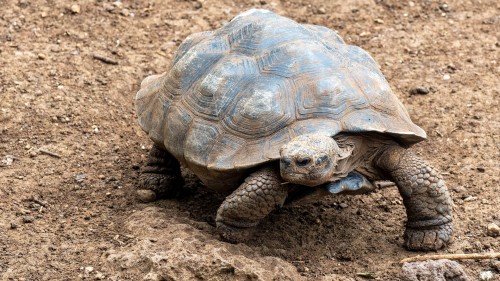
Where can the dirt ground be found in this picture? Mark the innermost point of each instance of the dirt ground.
(71, 215)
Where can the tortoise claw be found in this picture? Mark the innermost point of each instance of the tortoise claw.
(154, 186)
(145, 195)
(233, 234)
(430, 239)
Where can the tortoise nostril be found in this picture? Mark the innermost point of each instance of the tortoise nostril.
(303, 161)
(321, 159)
(286, 161)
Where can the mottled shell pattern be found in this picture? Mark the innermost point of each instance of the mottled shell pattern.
(233, 96)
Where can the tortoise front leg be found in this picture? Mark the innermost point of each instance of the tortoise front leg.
(161, 177)
(254, 199)
(425, 196)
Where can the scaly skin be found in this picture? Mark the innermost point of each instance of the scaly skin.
(425, 196)
(254, 199)
(161, 176)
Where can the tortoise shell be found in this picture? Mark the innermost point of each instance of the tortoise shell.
(232, 97)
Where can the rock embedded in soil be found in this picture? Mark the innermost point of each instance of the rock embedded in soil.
(434, 270)
(182, 252)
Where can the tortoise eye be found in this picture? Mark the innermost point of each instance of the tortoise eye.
(303, 161)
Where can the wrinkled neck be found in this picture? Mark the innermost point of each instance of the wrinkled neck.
(365, 148)
(357, 151)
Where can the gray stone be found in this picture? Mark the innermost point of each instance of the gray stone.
(485, 275)
(434, 270)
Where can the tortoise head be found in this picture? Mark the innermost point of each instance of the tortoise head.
(310, 159)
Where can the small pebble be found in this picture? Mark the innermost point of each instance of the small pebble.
(493, 230)
(28, 219)
(168, 46)
(75, 9)
(89, 269)
(125, 12)
(485, 275)
(420, 90)
(99, 275)
(321, 11)
(197, 5)
(108, 7)
(302, 269)
(470, 199)
(446, 77)
(13, 225)
(343, 205)
(8, 160)
(80, 178)
(41, 56)
(445, 8)
(481, 169)
(459, 189)
(495, 265)
(23, 3)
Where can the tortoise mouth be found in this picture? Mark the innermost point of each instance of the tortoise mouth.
(307, 178)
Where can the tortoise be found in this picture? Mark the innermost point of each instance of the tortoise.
(264, 107)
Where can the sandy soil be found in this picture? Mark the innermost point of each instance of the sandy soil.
(70, 215)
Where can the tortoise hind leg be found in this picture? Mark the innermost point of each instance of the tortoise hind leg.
(161, 177)
(425, 196)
